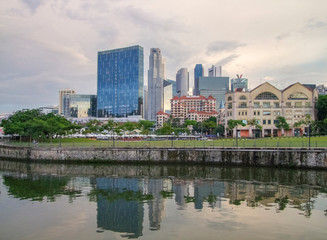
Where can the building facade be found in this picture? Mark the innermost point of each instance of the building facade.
(168, 94)
(64, 101)
(83, 105)
(239, 83)
(120, 82)
(181, 107)
(212, 72)
(198, 72)
(214, 86)
(80, 105)
(156, 76)
(182, 82)
(265, 103)
(162, 117)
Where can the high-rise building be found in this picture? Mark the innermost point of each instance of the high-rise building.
(79, 105)
(198, 72)
(239, 83)
(322, 89)
(120, 82)
(83, 105)
(168, 94)
(214, 86)
(64, 101)
(182, 82)
(212, 72)
(156, 74)
(173, 82)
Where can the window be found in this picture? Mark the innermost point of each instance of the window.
(298, 96)
(243, 105)
(276, 104)
(242, 97)
(256, 104)
(229, 106)
(258, 113)
(269, 121)
(254, 113)
(266, 113)
(264, 122)
(266, 105)
(229, 98)
(266, 96)
(288, 104)
(298, 104)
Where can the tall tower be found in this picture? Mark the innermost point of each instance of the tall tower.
(198, 72)
(120, 82)
(182, 82)
(64, 101)
(212, 72)
(156, 75)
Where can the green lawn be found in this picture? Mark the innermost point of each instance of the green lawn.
(297, 142)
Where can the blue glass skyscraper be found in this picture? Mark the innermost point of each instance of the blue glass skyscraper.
(120, 82)
(198, 72)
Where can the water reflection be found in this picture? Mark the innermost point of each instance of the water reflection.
(125, 194)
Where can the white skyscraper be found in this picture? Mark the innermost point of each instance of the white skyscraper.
(156, 75)
(212, 72)
(182, 82)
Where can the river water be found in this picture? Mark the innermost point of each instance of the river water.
(92, 201)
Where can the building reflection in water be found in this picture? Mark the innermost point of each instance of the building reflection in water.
(117, 210)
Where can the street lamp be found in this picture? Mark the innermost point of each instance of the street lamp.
(309, 134)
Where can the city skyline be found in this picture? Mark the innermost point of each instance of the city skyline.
(52, 45)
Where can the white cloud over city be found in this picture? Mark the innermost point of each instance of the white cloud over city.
(48, 45)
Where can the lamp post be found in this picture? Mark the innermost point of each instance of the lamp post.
(309, 135)
(172, 139)
(236, 137)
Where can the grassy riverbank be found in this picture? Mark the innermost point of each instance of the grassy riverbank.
(289, 142)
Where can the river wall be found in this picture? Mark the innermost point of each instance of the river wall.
(286, 157)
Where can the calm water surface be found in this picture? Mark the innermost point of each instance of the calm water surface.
(67, 201)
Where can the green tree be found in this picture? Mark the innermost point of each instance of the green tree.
(322, 107)
(93, 126)
(20, 123)
(282, 124)
(166, 129)
(253, 123)
(232, 124)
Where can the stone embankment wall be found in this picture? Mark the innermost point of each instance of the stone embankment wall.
(307, 158)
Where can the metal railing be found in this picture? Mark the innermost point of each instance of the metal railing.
(301, 142)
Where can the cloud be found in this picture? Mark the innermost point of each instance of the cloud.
(32, 4)
(223, 46)
(227, 60)
(50, 45)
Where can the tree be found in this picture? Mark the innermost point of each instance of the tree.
(20, 123)
(34, 124)
(231, 124)
(166, 129)
(254, 123)
(93, 126)
(281, 124)
(322, 107)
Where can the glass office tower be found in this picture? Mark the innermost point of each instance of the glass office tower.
(198, 72)
(120, 82)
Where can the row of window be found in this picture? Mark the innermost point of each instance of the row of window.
(271, 96)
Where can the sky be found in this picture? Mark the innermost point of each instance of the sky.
(49, 45)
